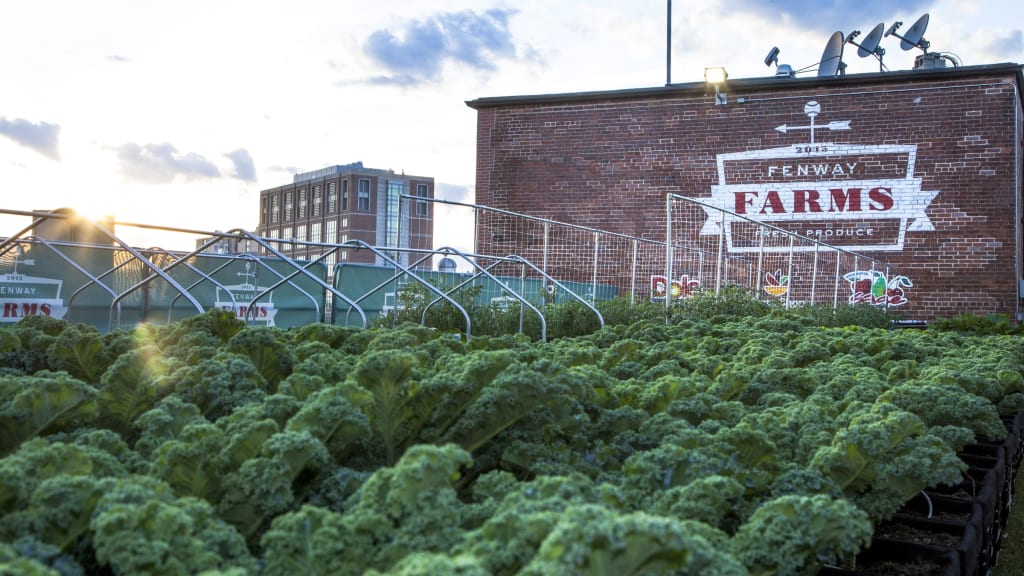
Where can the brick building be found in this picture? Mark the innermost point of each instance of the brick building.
(920, 168)
(73, 228)
(341, 203)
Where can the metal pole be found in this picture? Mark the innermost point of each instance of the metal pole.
(872, 301)
(522, 290)
(856, 267)
(887, 277)
(668, 46)
(547, 239)
(721, 243)
(789, 271)
(632, 276)
(668, 250)
(760, 262)
(597, 253)
(835, 294)
(476, 230)
(814, 273)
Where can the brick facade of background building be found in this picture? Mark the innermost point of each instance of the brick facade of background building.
(608, 159)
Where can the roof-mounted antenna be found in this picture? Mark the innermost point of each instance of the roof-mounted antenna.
(832, 58)
(870, 44)
(781, 70)
(914, 38)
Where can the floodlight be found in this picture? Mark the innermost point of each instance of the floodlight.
(716, 76)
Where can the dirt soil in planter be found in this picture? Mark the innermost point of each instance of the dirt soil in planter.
(908, 533)
(921, 568)
(937, 514)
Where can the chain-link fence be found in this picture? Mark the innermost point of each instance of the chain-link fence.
(713, 247)
(606, 264)
(514, 259)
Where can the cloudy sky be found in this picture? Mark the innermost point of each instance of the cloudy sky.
(179, 113)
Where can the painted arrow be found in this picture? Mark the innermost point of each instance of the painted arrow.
(834, 125)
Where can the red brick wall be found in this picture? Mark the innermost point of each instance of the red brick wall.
(608, 162)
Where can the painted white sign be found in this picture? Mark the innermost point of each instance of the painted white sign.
(822, 190)
(22, 295)
(239, 299)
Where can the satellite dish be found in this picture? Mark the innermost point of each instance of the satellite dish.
(781, 70)
(832, 58)
(870, 44)
(914, 37)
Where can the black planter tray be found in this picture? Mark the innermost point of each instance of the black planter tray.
(978, 512)
(934, 506)
(997, 464)
(977, 484)
(963, 537)
(892, 558)
(1002, 453)
(1015, 438)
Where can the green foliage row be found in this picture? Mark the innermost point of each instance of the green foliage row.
(726, 437)
(573, 318)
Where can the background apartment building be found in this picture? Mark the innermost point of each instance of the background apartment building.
(338, 204)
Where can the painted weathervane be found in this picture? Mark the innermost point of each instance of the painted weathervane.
(812, 109)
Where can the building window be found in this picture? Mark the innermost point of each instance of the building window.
(317, 201)
(422, 191)
(391, 216)
(288, 206)
(344, 195)
(302, 205)
(330, 235)
(332, 197)
(264, 210)
(332, 231)
(286, 234)
(364, 195)
(275, 208)
(300, 233)
(344, 222)
(275, 245)
(314, 232)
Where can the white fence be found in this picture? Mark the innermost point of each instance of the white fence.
(712, 247)
(706, 248)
